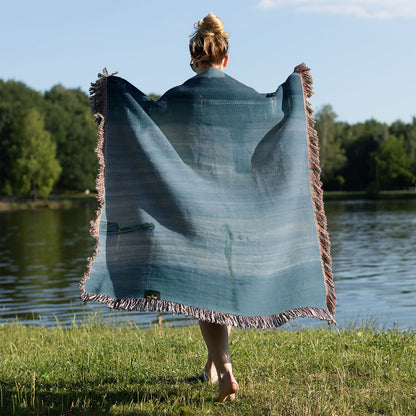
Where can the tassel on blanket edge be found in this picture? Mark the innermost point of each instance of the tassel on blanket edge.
(241, 321)
(316, 189)
(97, 101)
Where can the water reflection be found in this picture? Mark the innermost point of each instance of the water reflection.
(43, 257)
(374, 252)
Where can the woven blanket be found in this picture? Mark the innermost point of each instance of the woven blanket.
(210, 202)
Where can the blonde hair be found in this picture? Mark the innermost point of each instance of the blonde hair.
(209, 42)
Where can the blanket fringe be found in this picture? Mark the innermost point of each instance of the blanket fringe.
(258, 322)
(98, 102)
(316, 188)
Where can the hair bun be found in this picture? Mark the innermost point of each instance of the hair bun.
(210, 25)
(209, 42)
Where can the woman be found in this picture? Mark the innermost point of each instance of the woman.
(209, 48)
(211, 203)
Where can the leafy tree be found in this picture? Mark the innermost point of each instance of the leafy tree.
(361, 143)
(18, 93)
(340, 180)
(7, 125)
(408, 133)
(15, 99)
(34, 167)
(72, 126)
(394, 164)
(153, 96)
(332, 154)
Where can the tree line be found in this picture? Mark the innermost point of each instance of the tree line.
(47, 143)
(368, 156)
(47, 140)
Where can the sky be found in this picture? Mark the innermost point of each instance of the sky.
(361, 53)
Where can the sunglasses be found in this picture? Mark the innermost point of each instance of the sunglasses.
(191, 64)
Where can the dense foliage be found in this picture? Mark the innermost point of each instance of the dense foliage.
(47, 142)
(367, 156)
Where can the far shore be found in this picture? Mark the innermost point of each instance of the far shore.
(55, 201)
(67, 201)
(343, 195)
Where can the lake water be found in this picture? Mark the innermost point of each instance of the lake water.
(43, 257)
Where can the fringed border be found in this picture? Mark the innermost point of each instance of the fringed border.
(258, 322)
(316, 188)
(98, 105)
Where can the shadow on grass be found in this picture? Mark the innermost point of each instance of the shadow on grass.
(99, 397)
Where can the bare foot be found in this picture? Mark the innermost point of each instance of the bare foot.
(209, 374)
(228, 388)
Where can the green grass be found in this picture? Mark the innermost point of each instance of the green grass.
(108, 369)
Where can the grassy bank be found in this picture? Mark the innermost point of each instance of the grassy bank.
(101, 369)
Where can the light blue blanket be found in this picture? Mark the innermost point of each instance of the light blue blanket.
(211, 204)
